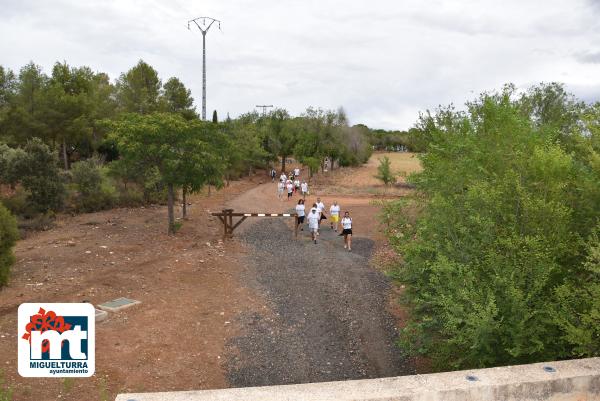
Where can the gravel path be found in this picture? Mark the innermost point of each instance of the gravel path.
(328, 318)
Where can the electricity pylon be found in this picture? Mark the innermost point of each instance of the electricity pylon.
(204, 24)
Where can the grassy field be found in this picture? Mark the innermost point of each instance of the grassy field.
(362, 181)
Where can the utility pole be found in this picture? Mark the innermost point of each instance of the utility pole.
(204, 24)
(264, 107)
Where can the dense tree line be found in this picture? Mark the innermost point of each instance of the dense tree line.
(501, 245)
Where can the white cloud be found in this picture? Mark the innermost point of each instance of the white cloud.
(382, 60)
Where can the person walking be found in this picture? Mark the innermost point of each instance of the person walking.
(304, 189)
(347, 231)
(290, 189)
(297, 172)
(283, 177)
(300, 213)
(280, 188)
(321, 211)
(296, 185)
(313, 222)
(334, 211)
(273, 174)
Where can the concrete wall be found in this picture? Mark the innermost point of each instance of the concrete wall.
(567, 380)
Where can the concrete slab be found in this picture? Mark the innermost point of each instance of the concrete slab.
(575, 380)
(101, 315)
(118, 304)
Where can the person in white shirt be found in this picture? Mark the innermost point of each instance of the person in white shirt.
(300, 212)
(283, 177)
(347, 231)
(320, 209)
(313, 222)
(297, 172)
(290, 189)
(296, 185)
(304, 188)
(334, 211)
(280, 188)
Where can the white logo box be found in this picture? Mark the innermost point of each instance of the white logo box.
(77, 363)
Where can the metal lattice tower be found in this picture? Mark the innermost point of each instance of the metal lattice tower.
(204, 24)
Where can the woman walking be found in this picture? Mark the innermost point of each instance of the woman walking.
(347, 231)
(313, 222)
(334, 211)
(300, 213)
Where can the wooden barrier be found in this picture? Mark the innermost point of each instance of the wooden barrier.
(226, 216)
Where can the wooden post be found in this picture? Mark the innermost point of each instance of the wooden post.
(225, 221)
(229, 219)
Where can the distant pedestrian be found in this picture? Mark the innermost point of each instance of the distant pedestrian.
(334, 211)
(297, 171)
(347, 231)
(290, 189)
(300, 212)
(273, 174)
(283, 177)
(304, 188)
(296, 185)
(313, 223)
(280, 188)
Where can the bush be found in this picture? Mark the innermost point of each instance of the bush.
(40, 176)
(496, 265)
(384, 171)
(94, 190)
(8, 238)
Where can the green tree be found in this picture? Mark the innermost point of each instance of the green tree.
(39, 175)
(138, 89)
(215, 118)
(8, 237)
(384, 171)
(497, 249)
(176, 98)
(281, 134)
(171, 145)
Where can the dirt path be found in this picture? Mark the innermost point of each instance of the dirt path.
(326, 315)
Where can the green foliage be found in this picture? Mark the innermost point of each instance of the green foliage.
(94, 190)
(138, 90)
(495, 264)
(176, 98)
(182, 153)
(215, 118)
(384, 171)
(8, 238)
(39, 175)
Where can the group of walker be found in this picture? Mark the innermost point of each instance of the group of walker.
(316, 215)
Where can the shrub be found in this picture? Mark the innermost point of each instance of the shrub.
(8, 238)
(94, 190)
(40, 176)
(384, 171)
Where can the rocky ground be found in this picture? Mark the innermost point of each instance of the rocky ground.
(327, 316)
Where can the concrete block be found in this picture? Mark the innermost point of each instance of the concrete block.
(118, 304)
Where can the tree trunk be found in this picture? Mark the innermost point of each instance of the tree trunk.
(208, 189)
(283, 163)
(184, 209)
(64, 154)
(170, 201)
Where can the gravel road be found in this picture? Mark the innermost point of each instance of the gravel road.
(328, 318)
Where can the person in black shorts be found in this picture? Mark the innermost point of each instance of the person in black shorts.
(300, 212)
(347, 231)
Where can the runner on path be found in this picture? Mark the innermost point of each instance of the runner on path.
(280, 188)
(304, 188)
(313, 222)
(334, 211)
(321, 209)
(290, 189)
(300, 212)
(347, 231)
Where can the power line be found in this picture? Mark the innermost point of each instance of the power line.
(264, 107)
(203, 26)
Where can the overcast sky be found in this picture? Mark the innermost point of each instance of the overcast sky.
(382, 60)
